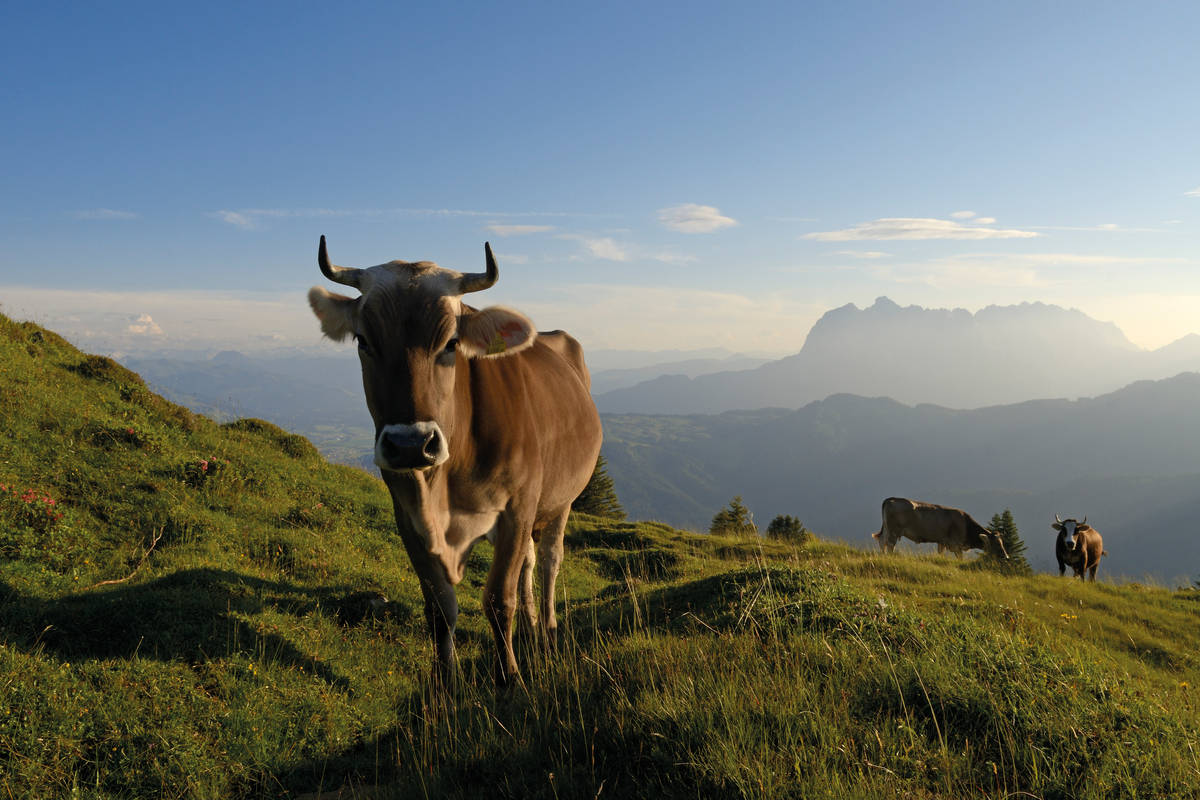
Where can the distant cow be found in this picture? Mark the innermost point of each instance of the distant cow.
(1078, 546)
(948, 528)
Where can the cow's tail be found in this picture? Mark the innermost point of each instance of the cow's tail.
(878, 533)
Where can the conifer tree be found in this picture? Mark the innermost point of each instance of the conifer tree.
(734, 518)
(599, 498)
(1006, 526)
(788, 528)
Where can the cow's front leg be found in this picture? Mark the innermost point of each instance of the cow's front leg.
(1062, 568)
(441, 615)
(500, 593)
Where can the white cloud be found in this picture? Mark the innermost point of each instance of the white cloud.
(871, 254)
(517, 230)
(963, 214)
(145, 325)
(1193, 193)
(606, 248)
(692, 218)
(235, 218)
(106, 213)
(984, 220)
(916, 228)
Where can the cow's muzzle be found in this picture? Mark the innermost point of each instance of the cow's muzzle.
(407, 447)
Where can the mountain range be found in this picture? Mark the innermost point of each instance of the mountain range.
(998, 355)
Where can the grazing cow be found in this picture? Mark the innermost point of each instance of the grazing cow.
(949, 528)
(483, 427)
(1078, 546)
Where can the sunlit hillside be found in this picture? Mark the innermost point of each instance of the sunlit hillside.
(199, 610)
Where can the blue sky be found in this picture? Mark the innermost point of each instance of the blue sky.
(651, 175)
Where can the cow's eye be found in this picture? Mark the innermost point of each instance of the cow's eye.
(446, 357)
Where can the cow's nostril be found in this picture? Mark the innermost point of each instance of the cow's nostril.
(433, 446)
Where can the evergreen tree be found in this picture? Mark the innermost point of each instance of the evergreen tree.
(788, 528)
(599, 498)
(1006, 526)
(734, 518)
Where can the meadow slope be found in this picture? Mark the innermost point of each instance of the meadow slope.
(200, 610)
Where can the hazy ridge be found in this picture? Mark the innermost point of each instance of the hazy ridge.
(999, 355)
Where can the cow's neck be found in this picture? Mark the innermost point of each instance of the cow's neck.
(444, 514)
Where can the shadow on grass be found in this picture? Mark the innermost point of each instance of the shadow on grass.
(192, 615)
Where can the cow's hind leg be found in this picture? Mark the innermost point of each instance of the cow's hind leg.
(550, 556)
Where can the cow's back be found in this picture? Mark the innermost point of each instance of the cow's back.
(534, 421)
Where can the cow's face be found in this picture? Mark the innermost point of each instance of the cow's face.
(414, 335)
(993, 544)
(1069, 530)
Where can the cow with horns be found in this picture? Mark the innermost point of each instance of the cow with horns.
(483, 428)
(1078, 546)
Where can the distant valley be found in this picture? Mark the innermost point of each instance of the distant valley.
(1129, 460)
(853, 421)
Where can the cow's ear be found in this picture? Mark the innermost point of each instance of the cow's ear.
(336, 312)
(494, 332)
(1056, 525)
(1081, 528)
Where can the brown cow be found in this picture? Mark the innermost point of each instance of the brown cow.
(949, 528)
(483, 427)
(1079, 546)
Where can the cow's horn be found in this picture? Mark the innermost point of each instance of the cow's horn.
(1058, 519)
(478, 281)
(348, 276)
(1084, 520)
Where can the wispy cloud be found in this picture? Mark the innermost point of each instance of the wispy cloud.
(692, 218)
(871, 254)
(237, 219)
(517, 230)
(106, 214)
(1106, 227)
(605, 248)
(916, 228)
(1193, 193)
(963, 214)
(249, 217)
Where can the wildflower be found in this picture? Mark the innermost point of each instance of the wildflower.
(1184, 685)
(129, 431)
(203, 465)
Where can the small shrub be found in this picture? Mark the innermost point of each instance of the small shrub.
(33, 527)
(734, 518)
(198, 473)
(787, 528)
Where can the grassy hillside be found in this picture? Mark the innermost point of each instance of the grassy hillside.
(190, 609)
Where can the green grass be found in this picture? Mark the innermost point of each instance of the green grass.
(189, 629)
